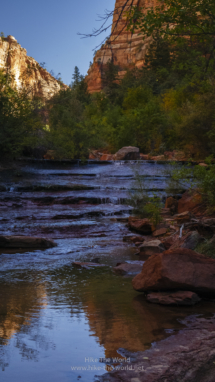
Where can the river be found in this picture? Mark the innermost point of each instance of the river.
(57, 322)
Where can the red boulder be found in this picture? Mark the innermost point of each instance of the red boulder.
(181, 269)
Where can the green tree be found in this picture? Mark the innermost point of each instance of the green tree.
(187, 26)
(67, 135)
(20, 123)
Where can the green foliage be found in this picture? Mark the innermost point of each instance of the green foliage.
(187, 26)
(197, 178)
(20, 123)
(2, 35)
(66, 134)
(207, 248)
(143, 205)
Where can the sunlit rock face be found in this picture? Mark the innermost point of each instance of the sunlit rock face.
(124, 49)
(25, 71)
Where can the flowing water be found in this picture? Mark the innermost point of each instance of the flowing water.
(57, 322)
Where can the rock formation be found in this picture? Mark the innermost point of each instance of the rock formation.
(124, 49)
(26, 73)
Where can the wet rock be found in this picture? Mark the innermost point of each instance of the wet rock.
(134, 239)
(138, 243)
(158, 157)
(184, 217)
(3, 188)
(189, 241)
(166, 213)
(189, 201)
(160, 232)
(179, 155)
(152, 247)
(131, 268)
(209, 222)
(25, 242)
(106, 157)
(168, 242)
(127, 238)
(187, 356)
(181, 269)
(192, 240)
(127, 153)
(172, 203)
(79, 264)
(144, 156)
(173, 298)
(55, 187)
(143, 226)
(137, 239)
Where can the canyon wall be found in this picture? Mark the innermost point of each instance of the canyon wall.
(25, 71)
(124, 49)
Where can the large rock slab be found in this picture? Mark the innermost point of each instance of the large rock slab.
(25, 242)
(152, 247)
(180, 297)
(191, 240)
(181, 269)
(184, 217)
(131, 268)
(143, 226)
(189, 201)
(127, 153)
(187, 356)
(171, 203)
(160, 232)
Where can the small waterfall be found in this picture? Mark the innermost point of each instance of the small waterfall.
(181, 231)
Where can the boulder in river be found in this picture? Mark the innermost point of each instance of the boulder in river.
(127, 153)
(25, 242)
(131, 268)
(180, 269)
(79, 264)
(143, 226)
(181, 297)
(149, 248)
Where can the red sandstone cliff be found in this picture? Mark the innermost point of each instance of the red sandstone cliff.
(123, 48)
(25, 71)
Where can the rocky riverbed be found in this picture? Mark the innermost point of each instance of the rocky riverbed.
(64, 312)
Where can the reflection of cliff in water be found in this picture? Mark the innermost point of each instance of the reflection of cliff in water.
(124, 321)
(121, 318)
(20, 308)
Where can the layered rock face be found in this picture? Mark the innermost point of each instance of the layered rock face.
(25, 71)
(124, 49)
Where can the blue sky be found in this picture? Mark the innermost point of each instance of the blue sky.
(48, 30)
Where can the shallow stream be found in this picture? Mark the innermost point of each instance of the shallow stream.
(57, 322)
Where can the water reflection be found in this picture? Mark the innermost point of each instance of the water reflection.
(53, 316)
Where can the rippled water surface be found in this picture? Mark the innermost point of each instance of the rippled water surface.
(57, 322)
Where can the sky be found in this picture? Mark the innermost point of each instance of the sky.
(48, 29)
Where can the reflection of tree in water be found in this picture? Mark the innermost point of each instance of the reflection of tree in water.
(20, 308)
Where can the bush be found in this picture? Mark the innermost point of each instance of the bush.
(143, 205)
